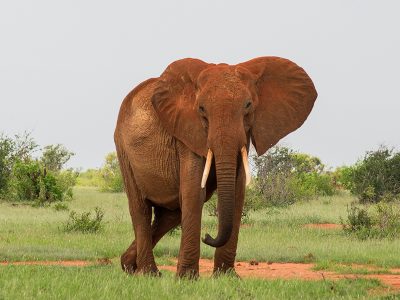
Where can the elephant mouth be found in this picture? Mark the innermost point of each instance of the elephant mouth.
(207, 166)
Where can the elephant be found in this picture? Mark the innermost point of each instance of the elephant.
(184, 135)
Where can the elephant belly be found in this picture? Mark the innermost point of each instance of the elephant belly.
(155, 166)
(159, 186)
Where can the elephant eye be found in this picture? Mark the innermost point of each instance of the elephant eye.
(202, 109)
(248, 104)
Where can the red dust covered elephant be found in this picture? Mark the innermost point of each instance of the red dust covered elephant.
(184, 135)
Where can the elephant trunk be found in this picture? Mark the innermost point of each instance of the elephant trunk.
(226, 164)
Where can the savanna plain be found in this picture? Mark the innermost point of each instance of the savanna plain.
(271, 235)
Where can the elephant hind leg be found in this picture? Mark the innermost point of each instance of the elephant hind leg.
(140, 211)
(164, 221)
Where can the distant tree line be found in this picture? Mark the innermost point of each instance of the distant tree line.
(283, 176)
(108, 178)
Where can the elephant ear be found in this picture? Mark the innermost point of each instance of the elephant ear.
(174, 100)
(286, 96)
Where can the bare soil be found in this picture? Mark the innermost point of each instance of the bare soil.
(251, 269)
(268, 270)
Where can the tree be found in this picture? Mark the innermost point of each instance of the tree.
(54, 157)
(20, 148)
(376, 176)
(111, 174)
(6, 152)
(23, 177)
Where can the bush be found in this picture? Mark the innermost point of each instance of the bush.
(284, 177)
(32, 182)
(6, 150)
(342, 177)
(358, 222)
(20, 148)
(317, 184)
(376, 176)
(40, 180)
(84, 222)
(111, 175)
(382, 222)
(27, 179)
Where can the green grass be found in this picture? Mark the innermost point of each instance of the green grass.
(28, 233)
(108, 282)
(352, 268)
(278, 235)
(275, 234)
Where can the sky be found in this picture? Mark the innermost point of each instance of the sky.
(65, 66)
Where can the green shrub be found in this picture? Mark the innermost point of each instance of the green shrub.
(342, 177)
(84, 222)
(359, 222)
(32, 182)
(26, 178)
(376, 175)
(66, 180)
(284, 177)
(387, 220)
(111, 174)
(316, 184)
(21, 147)
(382, 222)
(6, 150)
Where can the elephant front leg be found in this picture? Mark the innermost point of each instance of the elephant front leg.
(224, 258)
(191, 201)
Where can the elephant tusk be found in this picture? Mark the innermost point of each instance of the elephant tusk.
(245, 160)
(207, 168)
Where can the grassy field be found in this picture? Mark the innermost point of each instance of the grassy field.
(108, 282)
(278, 235)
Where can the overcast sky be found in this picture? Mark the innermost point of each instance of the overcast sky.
(65, 66)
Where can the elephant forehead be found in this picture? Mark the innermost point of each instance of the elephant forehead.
(220, 74)
(221, 91)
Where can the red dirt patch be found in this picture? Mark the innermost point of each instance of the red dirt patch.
(324, 226)
(252, 269)
(268, 270)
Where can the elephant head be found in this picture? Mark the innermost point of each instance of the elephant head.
(216, 109)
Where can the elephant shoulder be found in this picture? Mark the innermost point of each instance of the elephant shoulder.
(137, 119)
(136, 98)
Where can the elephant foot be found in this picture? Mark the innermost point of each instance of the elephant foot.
(191, 273)
(128, 262)
(229, 272)
(150, 270)
(226, 270)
